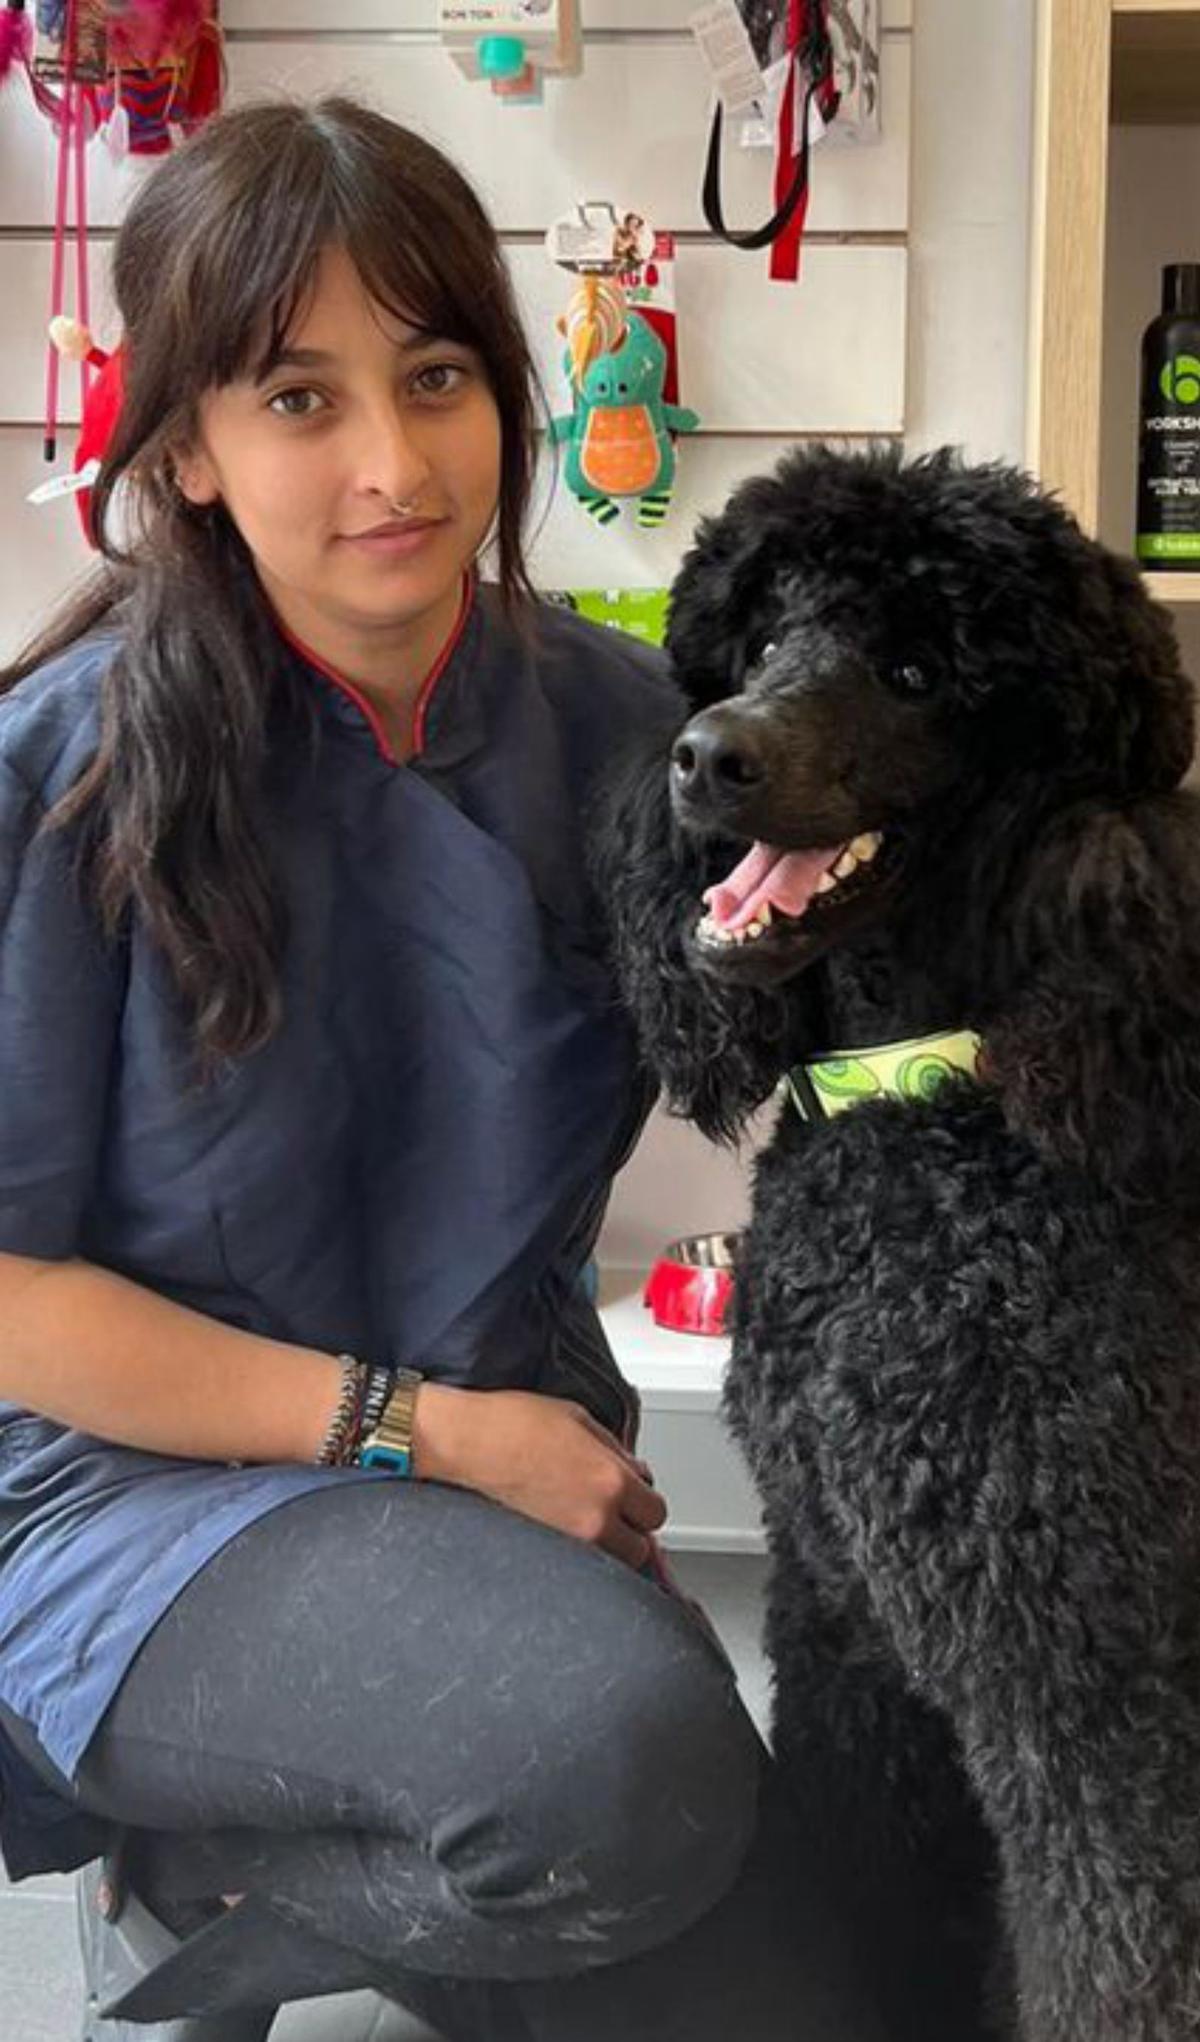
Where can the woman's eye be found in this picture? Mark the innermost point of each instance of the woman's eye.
(298, 403)
(438, 379)
(911, 679)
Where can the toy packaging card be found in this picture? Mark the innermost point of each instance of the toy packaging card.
(642, 612)
(650, 290)
(89, 22)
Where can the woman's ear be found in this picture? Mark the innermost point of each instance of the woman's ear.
(195, 476)
(1095, 1044)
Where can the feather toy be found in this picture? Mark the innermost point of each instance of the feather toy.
(16, 38)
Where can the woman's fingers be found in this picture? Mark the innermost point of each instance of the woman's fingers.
(609, 1439)
(642, 1506)
(626, 1544)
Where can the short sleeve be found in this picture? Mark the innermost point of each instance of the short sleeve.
(59, 1007)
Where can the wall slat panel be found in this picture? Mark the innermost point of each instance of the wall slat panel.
(763, 357)
(569, 553)
(529, 164)
(756, 357)
(627, 15)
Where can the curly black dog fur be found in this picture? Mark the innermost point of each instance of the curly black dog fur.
(966, 1366)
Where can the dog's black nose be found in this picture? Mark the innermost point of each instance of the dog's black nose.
(716, 757)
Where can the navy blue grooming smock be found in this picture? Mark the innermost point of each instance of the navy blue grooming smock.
(412, 1170)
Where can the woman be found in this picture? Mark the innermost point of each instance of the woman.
(313, 1089)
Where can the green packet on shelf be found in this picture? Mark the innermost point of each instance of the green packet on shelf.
(642, 612)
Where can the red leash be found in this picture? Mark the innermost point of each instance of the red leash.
(810, 52)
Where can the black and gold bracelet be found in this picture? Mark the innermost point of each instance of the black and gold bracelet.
(343, 1430)
(380, 1383)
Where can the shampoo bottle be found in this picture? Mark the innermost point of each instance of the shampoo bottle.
(1168, 512)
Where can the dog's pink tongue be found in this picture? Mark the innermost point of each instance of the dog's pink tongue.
(788, 879)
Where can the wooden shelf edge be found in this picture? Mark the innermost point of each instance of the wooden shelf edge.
(1174, 588)
(1155, 7)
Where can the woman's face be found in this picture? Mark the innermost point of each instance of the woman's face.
(363, 411)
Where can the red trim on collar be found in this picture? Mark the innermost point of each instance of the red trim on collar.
(364, 705)
(441, 663)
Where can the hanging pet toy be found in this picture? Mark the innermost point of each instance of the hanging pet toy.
(16, 38)
(61, 52)
(164, 70)
(101, 409)
(619, 433)
(132, 70)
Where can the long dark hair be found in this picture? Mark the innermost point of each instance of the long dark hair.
(211, 265)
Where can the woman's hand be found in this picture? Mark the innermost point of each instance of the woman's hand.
(546, 1458)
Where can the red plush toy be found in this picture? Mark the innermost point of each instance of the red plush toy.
(100, 411)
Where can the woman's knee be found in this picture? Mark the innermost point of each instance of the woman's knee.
(635, 1805)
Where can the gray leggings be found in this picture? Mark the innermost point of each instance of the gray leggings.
(481, 1767)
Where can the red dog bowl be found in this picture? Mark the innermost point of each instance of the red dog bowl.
(689, 1287)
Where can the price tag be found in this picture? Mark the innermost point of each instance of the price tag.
(65, 485)
(728, 55)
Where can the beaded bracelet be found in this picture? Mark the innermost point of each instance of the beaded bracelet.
(366, 1388)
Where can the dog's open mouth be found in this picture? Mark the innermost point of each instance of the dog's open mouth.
(771, 889)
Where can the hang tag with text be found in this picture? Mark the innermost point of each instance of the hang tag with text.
(728, 56)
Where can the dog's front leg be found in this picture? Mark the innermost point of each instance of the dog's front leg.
(1079, 1724)
(882, 1804)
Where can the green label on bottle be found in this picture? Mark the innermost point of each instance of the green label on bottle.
(1168, 545)
(1179, 380)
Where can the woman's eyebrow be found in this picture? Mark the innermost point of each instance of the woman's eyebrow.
(320, 358)
(295, 358)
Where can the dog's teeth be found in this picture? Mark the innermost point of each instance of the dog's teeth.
(846, 864)
(865, 847)
(826, 883)
(708, 931)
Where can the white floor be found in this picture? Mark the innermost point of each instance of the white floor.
(40, 1994)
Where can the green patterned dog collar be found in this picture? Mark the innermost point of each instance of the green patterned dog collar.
(896, 1070)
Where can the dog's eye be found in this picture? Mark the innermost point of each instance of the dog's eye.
(765, 652)
(911, 680)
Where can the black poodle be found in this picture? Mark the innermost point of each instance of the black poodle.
(930, 785)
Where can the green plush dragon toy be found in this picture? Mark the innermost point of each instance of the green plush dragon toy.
(618, 434)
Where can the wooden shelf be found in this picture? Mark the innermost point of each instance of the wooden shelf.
(1155, 64)
(1099, 63)
(1174, 588)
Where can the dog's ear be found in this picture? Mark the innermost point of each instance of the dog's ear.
(1154, 695)
(1095, 1045)
(717, 1050)
(718, 614)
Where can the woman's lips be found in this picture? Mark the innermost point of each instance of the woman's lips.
(397, 540)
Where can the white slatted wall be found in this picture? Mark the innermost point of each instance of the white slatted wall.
(761, 362)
